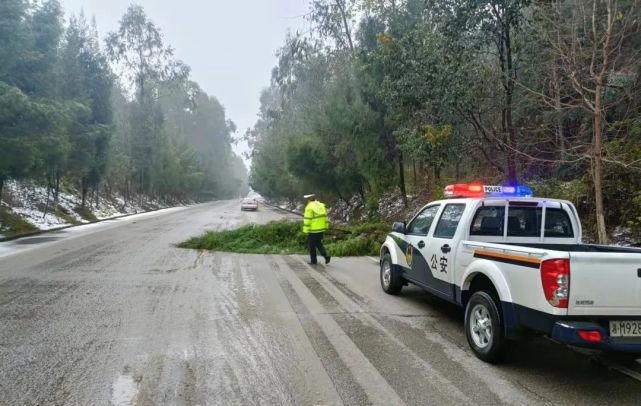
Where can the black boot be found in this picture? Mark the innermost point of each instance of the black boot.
(327, 259)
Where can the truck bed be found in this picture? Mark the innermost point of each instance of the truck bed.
(604, 280)
(577, 247)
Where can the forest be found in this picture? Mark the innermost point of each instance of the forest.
(119, 115)
(406, 96)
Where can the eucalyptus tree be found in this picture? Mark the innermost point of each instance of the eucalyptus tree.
(19, 118)
(372, 74)
(138, 50)
(335, 20)
(88, 80)
(139, 54)
(37, 74)
(14, 33)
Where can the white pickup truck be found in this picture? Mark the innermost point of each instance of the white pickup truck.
(517, 263)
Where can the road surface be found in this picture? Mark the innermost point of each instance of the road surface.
(115, 314)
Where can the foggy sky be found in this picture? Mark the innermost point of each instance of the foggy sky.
(229, 44)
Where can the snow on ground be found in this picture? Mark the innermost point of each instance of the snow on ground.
(29, 201)
(116, 206)
(391, 204)
(40, 219)
(623, 237)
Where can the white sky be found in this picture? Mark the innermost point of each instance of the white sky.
(229, 44)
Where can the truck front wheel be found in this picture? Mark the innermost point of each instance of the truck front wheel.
(391, 282)
(484, 328)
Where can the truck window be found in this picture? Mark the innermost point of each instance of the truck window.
(488, 220)
(423, 221)
(447, 224)
(524, 221)
(558, 224)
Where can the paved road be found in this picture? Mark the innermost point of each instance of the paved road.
(117, 315)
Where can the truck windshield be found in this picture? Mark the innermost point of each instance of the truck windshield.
(423, 221)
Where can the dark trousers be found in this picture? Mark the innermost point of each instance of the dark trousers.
(315, 241)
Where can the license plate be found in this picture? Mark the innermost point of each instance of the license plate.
(625, 328)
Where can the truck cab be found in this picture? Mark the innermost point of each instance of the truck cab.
(515, 263)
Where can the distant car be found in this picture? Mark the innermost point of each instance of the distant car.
(249, 204)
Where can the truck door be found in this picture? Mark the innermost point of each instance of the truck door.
(416, 237)
(440, 248)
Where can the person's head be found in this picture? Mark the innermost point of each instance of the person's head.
(309, 198)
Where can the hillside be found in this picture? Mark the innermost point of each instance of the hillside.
(27, 207)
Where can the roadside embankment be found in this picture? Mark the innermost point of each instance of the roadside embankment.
(28, 209)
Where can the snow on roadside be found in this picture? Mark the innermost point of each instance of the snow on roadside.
(623, 237)
(39, 219)
(28, 201)
(114, 207)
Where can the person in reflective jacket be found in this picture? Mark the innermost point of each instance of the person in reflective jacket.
(314, 225)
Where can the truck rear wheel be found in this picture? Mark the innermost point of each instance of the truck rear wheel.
(484, 328)
(391, 282)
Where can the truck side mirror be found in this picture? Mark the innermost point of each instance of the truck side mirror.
(398, 227)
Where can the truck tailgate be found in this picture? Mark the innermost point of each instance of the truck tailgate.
(607, 284)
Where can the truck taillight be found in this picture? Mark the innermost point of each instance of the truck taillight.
(555, 277)
(591, 336)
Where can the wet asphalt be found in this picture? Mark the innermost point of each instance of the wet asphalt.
(117, 315)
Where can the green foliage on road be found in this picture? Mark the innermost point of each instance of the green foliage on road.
(285, 237)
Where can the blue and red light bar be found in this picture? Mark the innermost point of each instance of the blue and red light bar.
(481, 190)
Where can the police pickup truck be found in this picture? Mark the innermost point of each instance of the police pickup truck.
(516, 263)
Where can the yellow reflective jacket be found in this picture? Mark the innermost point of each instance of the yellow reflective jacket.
(315, 218)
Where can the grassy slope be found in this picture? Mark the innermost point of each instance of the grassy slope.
(65, 215)
(86, 214)
(285, 237)
(13, 224)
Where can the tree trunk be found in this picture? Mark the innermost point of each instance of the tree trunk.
(401, 177)
(141, 187)
(556, 88)
(348, 34)
(56, 191)
(507, 125)
(129, 189)
(597, 163)
(126, 191)
(340, 196)
(2, 178)
(512, 177)
(49, 187)
(83, 192)
(415, 177)
(509, 92)
(423, 175)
